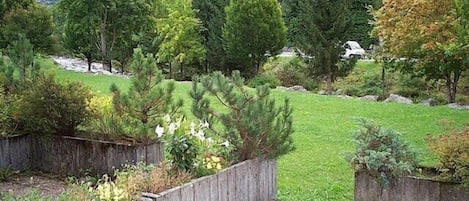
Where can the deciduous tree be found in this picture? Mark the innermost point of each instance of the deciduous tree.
(433, 34)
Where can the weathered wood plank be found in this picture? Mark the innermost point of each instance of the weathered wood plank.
(242, 181)
(202, 189)
(214, 188)
(187, 192)
(223, 185)
(231, 178)
(263, 181)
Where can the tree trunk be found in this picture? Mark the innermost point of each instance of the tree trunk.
(170, 71)
(383, 80)
(452, 80)
(89, 59)
(182, 71)
(330, 80)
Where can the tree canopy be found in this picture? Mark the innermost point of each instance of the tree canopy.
(254, 30)
(431, 34)
(318, 29)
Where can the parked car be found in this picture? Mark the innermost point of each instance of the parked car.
(353, 50)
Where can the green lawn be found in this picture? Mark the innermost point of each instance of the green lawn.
(324, 127)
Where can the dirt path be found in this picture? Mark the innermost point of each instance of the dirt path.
(21, 184)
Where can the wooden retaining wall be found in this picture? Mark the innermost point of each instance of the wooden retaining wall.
(72, 155)
(16, 153)
(408, 189)
(252, 180)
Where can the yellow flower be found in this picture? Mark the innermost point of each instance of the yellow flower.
(209, 166)
(218, 166)
(215, 159)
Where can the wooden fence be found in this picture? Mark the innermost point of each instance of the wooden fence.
(71, 155)
(408, 189)
(252, 180)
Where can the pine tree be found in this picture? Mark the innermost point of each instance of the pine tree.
(318, 29)
(251, 122)
(212, 15)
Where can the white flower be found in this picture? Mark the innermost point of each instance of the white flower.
(226, 143)
(167, 118)
(159, 131)
(209, 140)
(172, 128)
(205, 125)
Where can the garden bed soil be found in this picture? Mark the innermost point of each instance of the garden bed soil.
(20, 184)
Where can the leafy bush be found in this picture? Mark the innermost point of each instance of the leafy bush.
(381, 153)
(191, 148)
(289, 73)
(361, 82)
(49, 107)
(453, 152)
(250, 122)
(260, 80)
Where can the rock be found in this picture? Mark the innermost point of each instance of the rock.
(429, 102)
(297, 88)
(344, 96)
(457, 106)
(398, 99)
(369, 98)
(282, 88)
(322, 92)
(339, 92)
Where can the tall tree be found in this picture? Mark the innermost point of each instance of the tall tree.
(179, 31)
(433, 34)
(34, 22)
(319, 27)
(212, 15)
(7, 6)
(78, 28)
(361, 17)
(254, 30)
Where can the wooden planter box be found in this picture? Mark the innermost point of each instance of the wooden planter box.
(252, 180)
(408, 189)
(73, 156)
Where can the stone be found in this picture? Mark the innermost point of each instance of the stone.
(457, 106)
(398, 99)
(344, 96)
(322, 92)
(429, 102)
(282, 88)
(369, 98)
(297, 88)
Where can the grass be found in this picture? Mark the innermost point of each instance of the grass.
(324, 127)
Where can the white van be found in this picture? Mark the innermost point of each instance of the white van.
(353, 50)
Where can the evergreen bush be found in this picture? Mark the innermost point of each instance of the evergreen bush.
(259, 80)
(249, 121)
(381, 153)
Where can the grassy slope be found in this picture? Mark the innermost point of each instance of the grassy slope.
(324, 128)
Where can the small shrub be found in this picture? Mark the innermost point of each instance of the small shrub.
(260, 80)
(147, 178)
(453, 152)
(5, 173)
(250, 122)
(288, 72)
(381, 153)
(49, 107)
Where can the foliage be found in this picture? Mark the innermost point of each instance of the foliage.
(319, 28)
(212, 16)
(49, 107)
(432, 33)
(264, 79)
(362, 81)
(252, 122)
(22, 56)
(381, 153)
(5, 173)
(147, 101)
(148, 178)
(34, 23)
(361, 17)
(289, 73)
(8, 6)
(192, 149)
(254, 30)
(453, 152)
(181, 41)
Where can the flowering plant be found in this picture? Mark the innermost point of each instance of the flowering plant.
(192, 148)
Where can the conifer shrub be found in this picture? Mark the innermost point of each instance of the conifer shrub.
(259, 80)
(249, 120)
(381, 153)
(148, 100)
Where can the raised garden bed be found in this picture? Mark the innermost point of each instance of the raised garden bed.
(408, 189)
(72, 155)
(251, 180)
